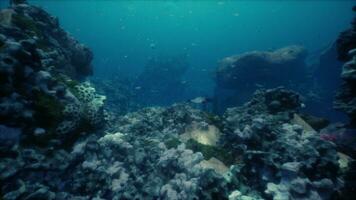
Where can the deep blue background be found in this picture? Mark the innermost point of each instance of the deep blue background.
(125, 34)
(122, 33)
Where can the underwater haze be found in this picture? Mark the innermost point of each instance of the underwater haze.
(125, 34)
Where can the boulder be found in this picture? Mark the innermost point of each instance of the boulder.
(267, 68)
(237, 77)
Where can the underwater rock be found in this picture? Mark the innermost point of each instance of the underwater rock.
(346, 42)
(44, 40)
(346, 99)
(41, 67)
(346, 96)
(262, 68)
(240, 75)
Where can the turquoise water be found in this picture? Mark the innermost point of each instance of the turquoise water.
(125, 34)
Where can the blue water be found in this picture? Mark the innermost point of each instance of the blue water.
(125, 34)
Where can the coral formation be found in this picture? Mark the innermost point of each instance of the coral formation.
(144, 157)
(39, 66)
(346, 99)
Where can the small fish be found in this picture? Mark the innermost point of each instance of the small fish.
(138, 88)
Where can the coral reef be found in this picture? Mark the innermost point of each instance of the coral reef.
(346, 99)
(40, 66)
(346, 41)
(54, 145)
(260, 154)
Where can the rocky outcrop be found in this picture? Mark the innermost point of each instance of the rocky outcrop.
(237, 77)
(41, 69)
(346, 41)
(267, 68)
(53, 46)
(346, 97)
